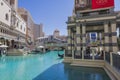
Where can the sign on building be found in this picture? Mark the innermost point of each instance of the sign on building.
(93, 36)
(93, 4)
(102, 4)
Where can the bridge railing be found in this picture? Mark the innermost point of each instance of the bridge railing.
(113, 59)
(88, 55)
(55, 44)
(68, 53)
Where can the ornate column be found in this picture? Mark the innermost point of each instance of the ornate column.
(5, 35)
(114, 36)
(83, 40)
(106, 35)
(69, 52)
(98, 41)
(102, 40)
(72, 43)
(78, 41)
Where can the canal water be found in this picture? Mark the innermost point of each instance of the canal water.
(46, 66)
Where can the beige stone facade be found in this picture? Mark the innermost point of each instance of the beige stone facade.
(56, 33)
(38, 31)
(29, 21)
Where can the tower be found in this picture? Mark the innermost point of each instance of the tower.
(56, 33)
(14, 4)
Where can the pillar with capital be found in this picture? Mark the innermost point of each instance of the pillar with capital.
(114, 36)
(69, 40)
(78, 41)
(83, 40)
(72, 43)
(106, 35)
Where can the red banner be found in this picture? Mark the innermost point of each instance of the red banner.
(102, 3)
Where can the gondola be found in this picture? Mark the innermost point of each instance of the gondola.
(61, 55)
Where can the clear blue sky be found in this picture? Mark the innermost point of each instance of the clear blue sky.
(52, 13)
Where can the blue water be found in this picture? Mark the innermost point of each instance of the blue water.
(46, 67)
(26, 67)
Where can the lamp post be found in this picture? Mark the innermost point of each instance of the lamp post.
(18, 38)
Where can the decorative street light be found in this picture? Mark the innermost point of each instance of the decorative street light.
(18, 38)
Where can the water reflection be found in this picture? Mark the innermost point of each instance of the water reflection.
(63, 71)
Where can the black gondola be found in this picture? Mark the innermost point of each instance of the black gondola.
(61, 55)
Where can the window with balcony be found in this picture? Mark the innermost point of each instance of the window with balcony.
(103, 12)
(12, 2)
(93, 13)
(86, 14)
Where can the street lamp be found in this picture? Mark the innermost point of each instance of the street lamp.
(18, 38)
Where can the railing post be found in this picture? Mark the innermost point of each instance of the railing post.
(111, 59)
(73, 54)
(82, 54)
(104, 55)
(93, 55)
(64, 53)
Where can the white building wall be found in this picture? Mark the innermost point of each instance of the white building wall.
(20, 24)
(5, 9)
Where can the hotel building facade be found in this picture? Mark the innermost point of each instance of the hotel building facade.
(29, 24)
(92, 16)
(98, 17)
(12, 25)
(38, 31)
(17, 26)
(34, 30)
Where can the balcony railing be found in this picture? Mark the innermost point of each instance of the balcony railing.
(68, 53)
(12, 27)
(113, 59)
(97, 15)
(109, 57)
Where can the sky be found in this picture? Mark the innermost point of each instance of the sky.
(53, 14)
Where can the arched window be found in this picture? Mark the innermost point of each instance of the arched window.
(6, 17)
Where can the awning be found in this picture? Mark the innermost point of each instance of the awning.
(5, 37)
(3, 46)
(8, 38)
(0, 43)
(40, 47)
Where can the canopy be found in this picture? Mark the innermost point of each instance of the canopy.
(3, 46)
(0, 43)
(40, 47)
(118, 53)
